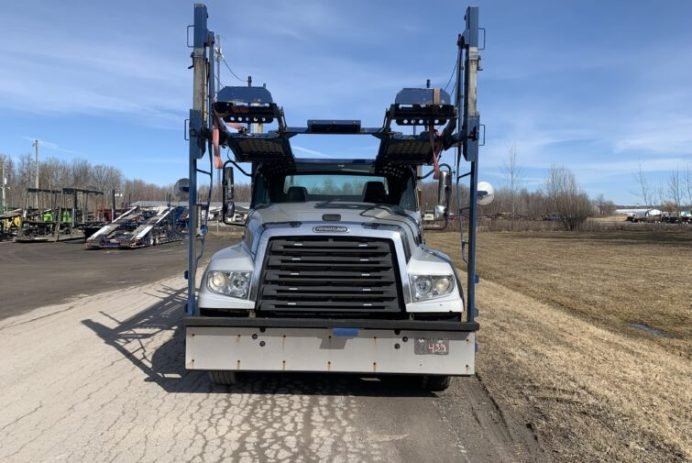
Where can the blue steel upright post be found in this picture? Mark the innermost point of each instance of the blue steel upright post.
(197, 135)
(470, 136)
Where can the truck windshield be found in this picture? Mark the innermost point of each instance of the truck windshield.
(368, 188)
(359, 188)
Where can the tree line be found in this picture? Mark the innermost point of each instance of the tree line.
(560, 199)
(674, 195)
(55, 174)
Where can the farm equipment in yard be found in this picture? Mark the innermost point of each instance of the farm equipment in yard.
(10, 223)
(141, 227)
(333, 274)
(40, 218)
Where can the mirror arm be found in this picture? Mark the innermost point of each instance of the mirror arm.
(239, 168)
(228, 205)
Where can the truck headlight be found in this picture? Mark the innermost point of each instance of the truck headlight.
(234, 284)
(431, 286)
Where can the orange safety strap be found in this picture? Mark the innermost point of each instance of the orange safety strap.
(218, 162)
(435, 152)
(436, 149)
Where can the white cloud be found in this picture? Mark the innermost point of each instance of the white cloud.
(55, 70)
(52, 147)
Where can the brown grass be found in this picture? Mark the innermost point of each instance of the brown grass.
(558, 349)
(613, 279)
(609, 218)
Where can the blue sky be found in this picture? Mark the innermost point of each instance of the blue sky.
(603, 88)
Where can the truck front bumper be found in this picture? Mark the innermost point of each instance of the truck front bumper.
(323, 345)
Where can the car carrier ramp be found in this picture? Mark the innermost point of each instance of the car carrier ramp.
(141, 227)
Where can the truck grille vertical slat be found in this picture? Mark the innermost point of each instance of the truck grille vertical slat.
(330, 274)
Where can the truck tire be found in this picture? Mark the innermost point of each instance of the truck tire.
(222, 377)
(436, 383)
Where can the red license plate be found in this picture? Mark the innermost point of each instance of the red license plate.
(431, 346)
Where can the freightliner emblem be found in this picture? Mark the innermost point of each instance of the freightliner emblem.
(330, 229)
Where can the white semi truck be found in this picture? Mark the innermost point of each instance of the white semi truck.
(332, 273)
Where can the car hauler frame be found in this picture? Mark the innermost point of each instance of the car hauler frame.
(140, 227)
(245, 317)
(65, 218)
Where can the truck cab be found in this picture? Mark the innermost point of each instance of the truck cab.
(336, 239)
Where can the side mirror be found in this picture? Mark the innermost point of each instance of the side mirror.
(228, 208)
(444, 192)
(486, 194)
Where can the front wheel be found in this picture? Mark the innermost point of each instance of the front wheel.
(436, 383)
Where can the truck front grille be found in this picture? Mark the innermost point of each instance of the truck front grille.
(330, 274)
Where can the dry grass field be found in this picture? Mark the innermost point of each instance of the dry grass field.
(588, 337)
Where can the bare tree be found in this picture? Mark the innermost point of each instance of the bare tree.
(658, 197)
(604, 206)
(24, 178)
(81, 173)
(644, 189)
(106, 178)
(688, 185)
(535, 203)
(566, 199)
(513, 174)
(675, 190)
(55, 174)
(13, 198)
(5, 169)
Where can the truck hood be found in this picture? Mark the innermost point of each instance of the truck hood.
(348, 212)
(314, 211)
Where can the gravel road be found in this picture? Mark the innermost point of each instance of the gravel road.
(38, 274)
(100, 377)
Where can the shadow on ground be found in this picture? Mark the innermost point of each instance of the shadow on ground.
(138, 340)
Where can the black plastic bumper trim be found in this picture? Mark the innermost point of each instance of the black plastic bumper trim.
(416, 325)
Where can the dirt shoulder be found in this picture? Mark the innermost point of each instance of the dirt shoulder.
(590, 394)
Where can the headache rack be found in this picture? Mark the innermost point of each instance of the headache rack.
(422, 107)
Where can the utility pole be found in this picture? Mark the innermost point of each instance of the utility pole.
(35, 145)
(3, 184)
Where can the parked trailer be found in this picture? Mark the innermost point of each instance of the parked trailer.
(141, 227)
(47, 217)
(645, 215)
(55, 215)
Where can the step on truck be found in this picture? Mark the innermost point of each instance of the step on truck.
(333, 273)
